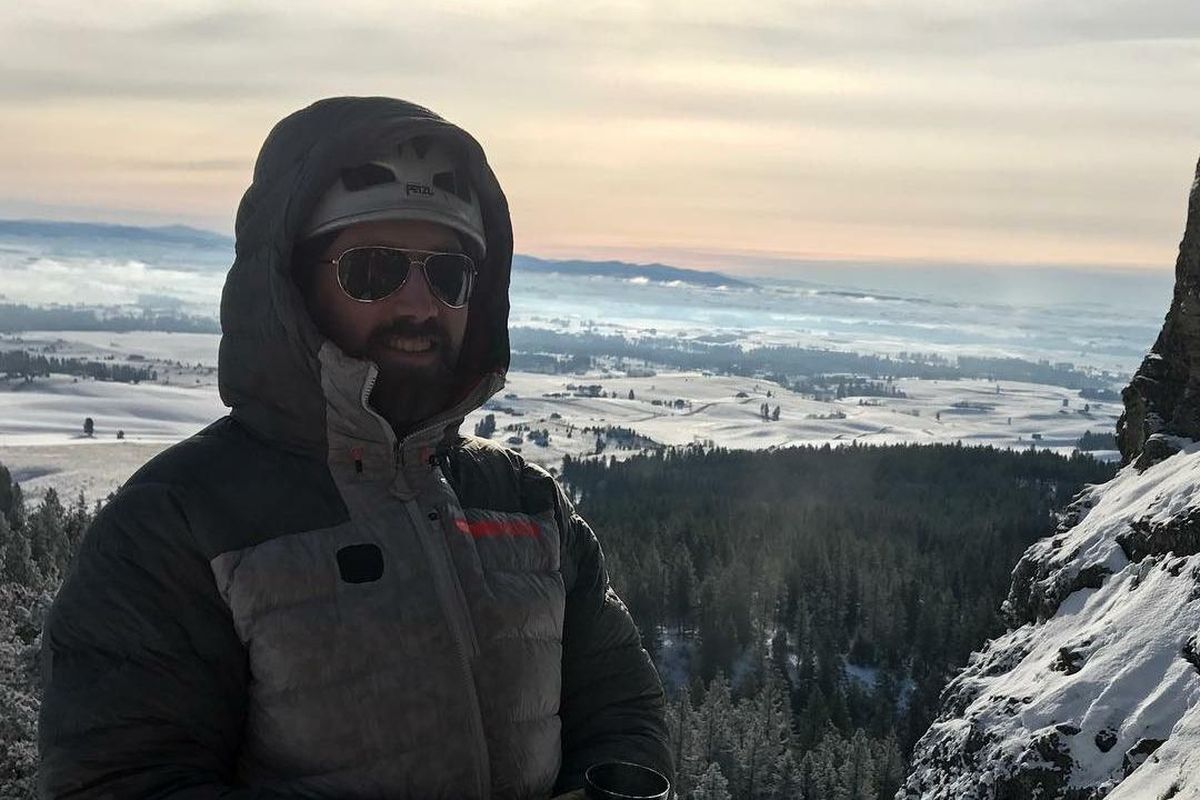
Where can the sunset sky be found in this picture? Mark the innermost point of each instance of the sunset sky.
(746, 137)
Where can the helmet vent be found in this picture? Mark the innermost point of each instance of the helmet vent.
(365, 176)
(420, 145)
(450, 181)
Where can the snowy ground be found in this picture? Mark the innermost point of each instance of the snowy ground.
(1018, 415)
(41, 423)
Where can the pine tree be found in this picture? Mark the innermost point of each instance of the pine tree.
(486, 426)
(46, 529)
(711, 786)
(765, 736)
(787, 777)
(857, 774)
(680, 720)
(16, 563)
(10, 494)
(890, 767)
(683, 590)
(814, 718)
(820, 768)
(779, 654)
(714, 723)
(718, 631)
(75, 524)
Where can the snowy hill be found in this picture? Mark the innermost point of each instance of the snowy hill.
(1104, 673)
(1095, 690)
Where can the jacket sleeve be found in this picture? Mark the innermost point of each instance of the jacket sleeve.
(612, 705)
(144, 676)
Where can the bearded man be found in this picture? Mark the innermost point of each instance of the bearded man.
(332, 592)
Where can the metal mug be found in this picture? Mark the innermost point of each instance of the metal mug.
(623, 780)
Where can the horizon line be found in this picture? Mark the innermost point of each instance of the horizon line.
(777, 260)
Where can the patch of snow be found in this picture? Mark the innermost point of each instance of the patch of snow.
(865, 677)
(675, 657)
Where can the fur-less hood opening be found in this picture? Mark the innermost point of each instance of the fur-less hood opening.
(270, 372)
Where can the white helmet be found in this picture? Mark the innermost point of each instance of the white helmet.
(420, 179)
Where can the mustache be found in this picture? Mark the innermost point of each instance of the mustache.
(381, 335)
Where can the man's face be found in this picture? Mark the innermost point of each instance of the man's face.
(412, 336)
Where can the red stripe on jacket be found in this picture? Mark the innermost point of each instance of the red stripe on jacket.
(484, 528)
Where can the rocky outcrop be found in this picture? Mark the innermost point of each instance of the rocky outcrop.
(1094, 692)
(1147, 537)
(1047, 573)
(1097, 683)
(1163, 399)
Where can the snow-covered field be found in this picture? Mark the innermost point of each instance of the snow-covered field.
(1004, 415)
(1099, 322)
(42, 441)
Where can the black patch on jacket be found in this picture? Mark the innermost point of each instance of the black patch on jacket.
(360, 563)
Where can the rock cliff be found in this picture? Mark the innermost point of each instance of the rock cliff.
(1163, 399)
(1095, 689)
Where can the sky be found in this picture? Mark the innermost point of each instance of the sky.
(751, 138)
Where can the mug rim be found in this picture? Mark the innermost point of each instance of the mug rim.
(587, 779)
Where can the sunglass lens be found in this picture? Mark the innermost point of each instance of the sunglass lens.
(449, 276)
(372, 273)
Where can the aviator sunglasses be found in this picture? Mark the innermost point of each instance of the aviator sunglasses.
(375, 272)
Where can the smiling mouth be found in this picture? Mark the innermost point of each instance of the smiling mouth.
(412, 344)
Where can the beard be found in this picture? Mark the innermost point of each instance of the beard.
(411, 387)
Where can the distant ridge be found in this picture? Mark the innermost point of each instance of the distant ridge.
(187, 236)
(164, 234)
(625, 271)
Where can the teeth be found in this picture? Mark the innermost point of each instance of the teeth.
(414, 344)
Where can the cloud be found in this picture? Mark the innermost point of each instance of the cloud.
(959, 118)
(218, 165)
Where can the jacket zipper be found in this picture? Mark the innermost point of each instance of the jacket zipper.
(463, 633)
(452, 598)
(439, 420)
(364, 401)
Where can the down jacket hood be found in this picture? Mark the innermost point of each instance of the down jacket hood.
(282, 378)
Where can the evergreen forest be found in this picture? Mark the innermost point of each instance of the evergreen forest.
(804, 606)
(37, 542)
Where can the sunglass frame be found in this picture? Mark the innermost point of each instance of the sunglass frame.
(408, 252)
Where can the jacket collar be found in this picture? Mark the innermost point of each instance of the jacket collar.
(362, 443)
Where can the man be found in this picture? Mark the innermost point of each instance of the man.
(331, 592)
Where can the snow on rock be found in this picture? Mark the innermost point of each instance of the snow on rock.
(1096, 692)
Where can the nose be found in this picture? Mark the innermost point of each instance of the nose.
(415, 299)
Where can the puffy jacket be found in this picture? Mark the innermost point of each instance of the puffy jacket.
(296, 603)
